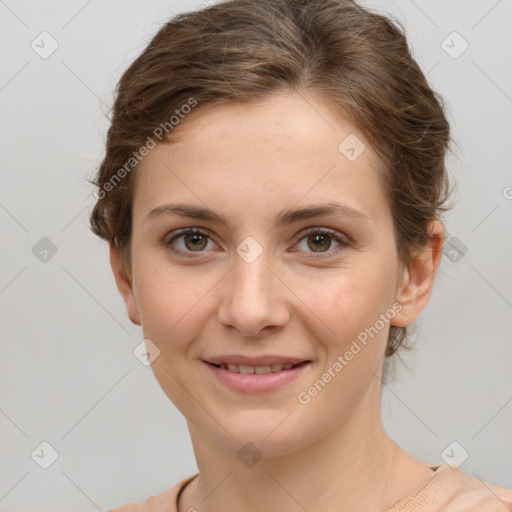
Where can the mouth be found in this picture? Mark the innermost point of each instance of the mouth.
(260, 370)
(257, 374)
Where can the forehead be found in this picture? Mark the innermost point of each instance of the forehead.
(298, 122)
(287, 148)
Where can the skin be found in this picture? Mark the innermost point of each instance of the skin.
(249, 162)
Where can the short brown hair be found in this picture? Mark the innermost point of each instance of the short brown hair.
(246, 50)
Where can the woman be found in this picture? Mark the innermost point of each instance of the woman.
(272, 194)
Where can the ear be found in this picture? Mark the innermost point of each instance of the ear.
(124, 285)
(418, 278)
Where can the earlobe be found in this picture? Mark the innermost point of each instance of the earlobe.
(418, 278)
(124, 285)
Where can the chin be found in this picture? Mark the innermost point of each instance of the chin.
(270, 438)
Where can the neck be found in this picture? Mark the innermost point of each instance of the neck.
(354, 467)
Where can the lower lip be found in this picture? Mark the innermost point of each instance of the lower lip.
(254, 382)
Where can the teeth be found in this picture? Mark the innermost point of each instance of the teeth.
(244, 369)
(262, 369)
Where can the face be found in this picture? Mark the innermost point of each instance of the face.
(233, 272)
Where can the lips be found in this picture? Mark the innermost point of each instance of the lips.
(256, 374)
(260, 369)
(260, 365)
(241, 360)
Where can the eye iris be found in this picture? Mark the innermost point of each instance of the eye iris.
(319, 238)
(194, 237)
(319, 242)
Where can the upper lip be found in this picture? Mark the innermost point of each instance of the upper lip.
(254, 361)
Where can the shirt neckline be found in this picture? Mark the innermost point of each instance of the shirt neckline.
(445, 471)
(435, 471)
(184, 484)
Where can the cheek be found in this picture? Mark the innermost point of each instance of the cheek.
(352, 306)
(350, 299)
(174, 304)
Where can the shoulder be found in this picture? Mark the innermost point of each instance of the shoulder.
(476, 495)
(451, 490)
(164, 502)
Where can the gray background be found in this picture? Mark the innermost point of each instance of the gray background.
(68, 373)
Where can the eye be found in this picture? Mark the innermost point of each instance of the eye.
(319, 240)
(314, 240)
(192, 240)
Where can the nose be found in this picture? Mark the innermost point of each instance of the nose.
(254, 298)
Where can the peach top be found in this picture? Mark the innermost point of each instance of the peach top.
(448, 487)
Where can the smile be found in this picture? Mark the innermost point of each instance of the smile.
(256, 379)
(260, 370)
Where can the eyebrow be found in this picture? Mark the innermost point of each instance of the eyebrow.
(283, 218)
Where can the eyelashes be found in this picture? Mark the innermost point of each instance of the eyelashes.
(324, 233)
(198, 238)
(194, 233)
